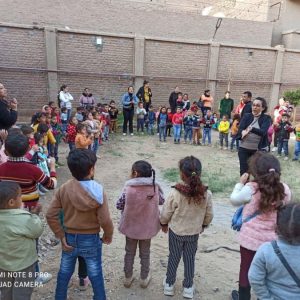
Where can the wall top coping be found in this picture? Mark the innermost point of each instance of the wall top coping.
(297, 31)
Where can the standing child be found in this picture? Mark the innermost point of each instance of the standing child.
(140, 113)
(177, 124)
(194, 107)
(186, 102)
(19, 231)
(105, 118)
(179, 101)
(151, 120)
(139, 201)
(79, 113)
(71, 133)
(196, 127)
(162, 123)
(156, 116)
(85, 208)
(57, 133)
(269, 277)
(113, 113)
(42, 155)
(188, 126)
(83, 140)
(224, 132)
(64, 118)
(297, 143)
(169, 121)
(208, 122)
(187, 211)
(216, 122)
(261, 197)
(234, 131)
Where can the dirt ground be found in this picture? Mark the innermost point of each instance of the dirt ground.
(216, 273)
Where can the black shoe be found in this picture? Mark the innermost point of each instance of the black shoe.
(234, 295)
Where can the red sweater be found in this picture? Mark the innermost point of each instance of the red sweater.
(71, 133)
(177, 119)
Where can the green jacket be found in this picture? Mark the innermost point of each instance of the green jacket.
(19, 230)
(226, 107)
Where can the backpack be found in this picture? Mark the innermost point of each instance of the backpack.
(237, 219)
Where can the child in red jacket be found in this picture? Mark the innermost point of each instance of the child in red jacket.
(177, 123)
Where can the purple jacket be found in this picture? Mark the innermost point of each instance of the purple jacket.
(87, 100)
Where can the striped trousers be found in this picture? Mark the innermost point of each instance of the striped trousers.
(185, 246)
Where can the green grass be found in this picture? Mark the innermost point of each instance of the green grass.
(171, 175)
(145, 155)
(116, 153)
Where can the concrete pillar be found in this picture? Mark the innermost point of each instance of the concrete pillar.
(51, 58)
(139, 55)
(275, 91)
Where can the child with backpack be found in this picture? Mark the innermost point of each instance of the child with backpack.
(139, 201)
(187, 211)
(269, 274)
(262, 197)
(162, 123)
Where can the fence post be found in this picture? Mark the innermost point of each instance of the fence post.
(139, 55)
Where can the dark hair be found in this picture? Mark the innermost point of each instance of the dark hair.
(286, 115)
(63, 87)
(16, 144)
(151, 106)
(179, 93)
(63, 109)
(227, 92)
(225, 116)
(35, 118)
(50, 103)
(266, 171)
(206, 91)
(26, 129)
(236, 117)
(80, 162)
(94, 114)
(38, 137)
(79, 127)
(162, 109)
(145, 82)
(112, 101)
(191, 168)
(288, 223)
(248, 93)
(264, 103)
(131, 86)
(42, 128)
(8, 190)
(79, 108)
(143, 169)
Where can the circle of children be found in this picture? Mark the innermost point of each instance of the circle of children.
(267, 220)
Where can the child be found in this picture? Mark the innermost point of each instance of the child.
(139, 201)
(105, 118)
(186, 102)
(42, 127)
(42, 157)
(208, 122)
(141, 113)
(85, 209)
(169, 121)
(64, 118)
(284, 128)
(269, 278)
(188, 126)
(234, 131)
(179, 101)
(156, 116)
(297, 143)
(29, 132)
(196, 127)
(19, 229)
(83, 140)
(187, 211)
(71, 133)
(194, 107)
(113, 113)
(216, 122)
(57, 133)
(223, 132)
(177, 123)
(97, 135)
(162, 123)
(151, 120)
(262, 196)
(79, 113)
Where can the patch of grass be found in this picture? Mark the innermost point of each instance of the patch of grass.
(145, 155)
(116, 153)
(171, 175)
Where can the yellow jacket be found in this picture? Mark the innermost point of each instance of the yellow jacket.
(297, 132)
(224, 127)
(48, 136)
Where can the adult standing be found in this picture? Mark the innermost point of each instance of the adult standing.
(129, 99)
(8, 110)
(173, 99)
(87, 99)
(145, 94)
(65, 100)
(207, 102)
(247, 99)
(253, 132)
(226, 106)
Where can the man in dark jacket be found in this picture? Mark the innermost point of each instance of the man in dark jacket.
(247, 96)
(173, 99)
(145, 94)
(8, 110)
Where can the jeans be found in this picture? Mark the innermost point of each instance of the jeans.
(188, 133)
(223, 136)
(283, 145)
(71, 145)
(54, 151)
(297, 150)
(151, 128)
(177, 131)
(128, 118)
(106, 132)
(95, 145)
(69, 112)
(162, 132)
(206, 133)
(234, 141)
(140, 124)
(64, 125)
(89, 247)
(244, 155)
(169, 127)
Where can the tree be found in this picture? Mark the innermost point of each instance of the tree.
(294, 98)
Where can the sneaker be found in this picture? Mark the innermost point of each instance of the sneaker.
(128, 281)
(278, 156)
(43, 278)
(175, 142)
(184, 142)
(178, 141)
(294, 159)
(158, 133)
(124, 133)
(274, 149)
(168, 289)
(286, 158)
(83, 283)
(234, 295)
(131, 134)
(145, 282)
(98, 156)
(188, 293)
(225, 148)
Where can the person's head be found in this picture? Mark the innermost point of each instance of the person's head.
(224, 118)
(73, 121)
(185, 97)
(54, 120)
(27, 130)
(89, 116)
(3, 91)
(287, 103)
(42, 128)
(189, 112)
(64, 110)
(281, 101)
(51, 104)
(169, 110)
(236, 117)
(142, 168)
(227, 95)
(95, 115)
(198, 112)
(163, 110)
(265, 168)
(207, 93)
(178, 110)
(208, 113)
(81, 128)
(10, 195)
(246, 96)
(288, 223)
(106, 107)
(179, 96)
(259, 106)
(112, 103)
(79, 109)
(56, 111)
(81, 163)
(141, 105)
(215, 115)
(285, 117)
(190, 172)
(86, 91)
(39, 139)
(130, 90)
(146, 84)
(16, 144)
(151, 108)
(176, 89)
(64, 88)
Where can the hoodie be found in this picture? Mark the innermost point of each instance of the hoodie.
(83, 213)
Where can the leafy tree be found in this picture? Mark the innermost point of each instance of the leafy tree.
(294, 98)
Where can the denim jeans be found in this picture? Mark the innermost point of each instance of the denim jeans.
(140, 124)
(177, 131)
(206, 133)
(223, 136)
(162, 132)
(283, 145)
(234, 141)
(297, 150)
(188, 133)
(106, 132)
(95, 146)
(64, 125)
(69, 112)
(151, 128)
(71, 145)
(88, 246)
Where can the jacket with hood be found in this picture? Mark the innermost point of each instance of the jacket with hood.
(87, 100)
(85, 208)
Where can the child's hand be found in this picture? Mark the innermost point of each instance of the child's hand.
(35, 148)
(3, 134)
(165, 228)
(244, 178)
(37, 209)
(106, 240)
(65, 246)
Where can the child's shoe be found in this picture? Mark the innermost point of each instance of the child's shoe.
(83, 283)
(168, 289)
(295, 159)
(43, 278)
(225, 148)
(128, 281)
(145, 282)
(286, 158)
(188, 293)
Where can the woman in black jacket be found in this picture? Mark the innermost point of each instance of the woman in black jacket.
(253, 132)
(145, 94)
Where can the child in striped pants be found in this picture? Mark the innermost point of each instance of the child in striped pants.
(186, 212)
